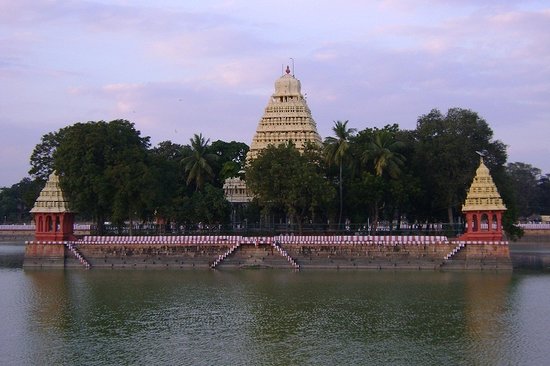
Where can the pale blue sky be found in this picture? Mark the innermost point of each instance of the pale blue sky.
(175, 68)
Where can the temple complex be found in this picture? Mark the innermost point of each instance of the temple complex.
(483, 208)
(52, 216)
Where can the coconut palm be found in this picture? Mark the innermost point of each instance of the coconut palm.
(198, 164)
(382, 153)
(336, 151)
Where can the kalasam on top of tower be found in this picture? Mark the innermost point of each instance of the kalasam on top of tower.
(287, 117)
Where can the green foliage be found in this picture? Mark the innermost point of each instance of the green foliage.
(543, 195)
(109, 172)
(42, 155)
(17, 200)
(104, 171)
(165, 161)
(207, 206)
(231, 159)
(198, 165)
(382, 153)
(445, 158)
(336, 152)
(284, 180)
(524, 179)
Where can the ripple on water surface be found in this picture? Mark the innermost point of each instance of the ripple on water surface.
(273, 317)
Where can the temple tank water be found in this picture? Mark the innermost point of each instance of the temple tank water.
(270, 317)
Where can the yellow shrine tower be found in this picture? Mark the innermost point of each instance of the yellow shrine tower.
(483, 208)
(52, 216)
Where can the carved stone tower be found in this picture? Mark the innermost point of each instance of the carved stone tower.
(483, 208)
(286, 118)
(53, 219)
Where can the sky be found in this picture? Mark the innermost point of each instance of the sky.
(175, 68)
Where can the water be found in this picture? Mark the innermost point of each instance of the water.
(270, 317)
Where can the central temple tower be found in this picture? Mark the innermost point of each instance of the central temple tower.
(286, 118)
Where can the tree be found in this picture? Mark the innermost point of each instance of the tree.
(336, 151)
(382, 152)
(17, 200)
(284, 180)
(544, 195)
(210, 206)
(42, 155)
(382, 156)
(445, 158)
(525, 179)
(166, 166)
(231, 159)
(103, 170)
(198, 165)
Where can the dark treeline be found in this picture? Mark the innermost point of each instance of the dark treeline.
(110, 173)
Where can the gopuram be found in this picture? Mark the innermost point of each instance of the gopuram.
(286, 117)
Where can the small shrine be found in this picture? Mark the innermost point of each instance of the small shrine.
(483, 208)
(53, 218)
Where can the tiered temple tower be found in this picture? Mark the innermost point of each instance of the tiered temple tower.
(52, 216)
(483, 208)
(287, 117)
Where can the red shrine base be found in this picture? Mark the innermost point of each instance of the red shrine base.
(44, 254)
(481, 236)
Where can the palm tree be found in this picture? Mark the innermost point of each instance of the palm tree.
(336, 149)
(198, 164)
(381, 151)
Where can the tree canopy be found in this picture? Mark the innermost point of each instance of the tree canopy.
(104, 170)
(111, 173)
(284, 180)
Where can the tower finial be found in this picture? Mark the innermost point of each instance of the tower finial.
(481, 155)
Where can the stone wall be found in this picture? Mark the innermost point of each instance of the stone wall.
(44, 255)
(532, 250)
(265, 255)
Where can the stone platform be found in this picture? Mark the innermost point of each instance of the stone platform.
(290, 252)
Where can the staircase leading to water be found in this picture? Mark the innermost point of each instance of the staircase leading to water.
(284, 253)
(77, 254)
(455, 250)
(256, 243)
(221, 257)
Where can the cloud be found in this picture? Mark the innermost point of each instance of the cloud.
(178, 68)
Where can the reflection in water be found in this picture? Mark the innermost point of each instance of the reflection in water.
(273, 317)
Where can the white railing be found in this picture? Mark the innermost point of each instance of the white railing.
(77, 254)
(455, 250)
(222, 257)
(284, 253)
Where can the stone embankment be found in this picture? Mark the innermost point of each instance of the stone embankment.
(292, 252)
(532, 251)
